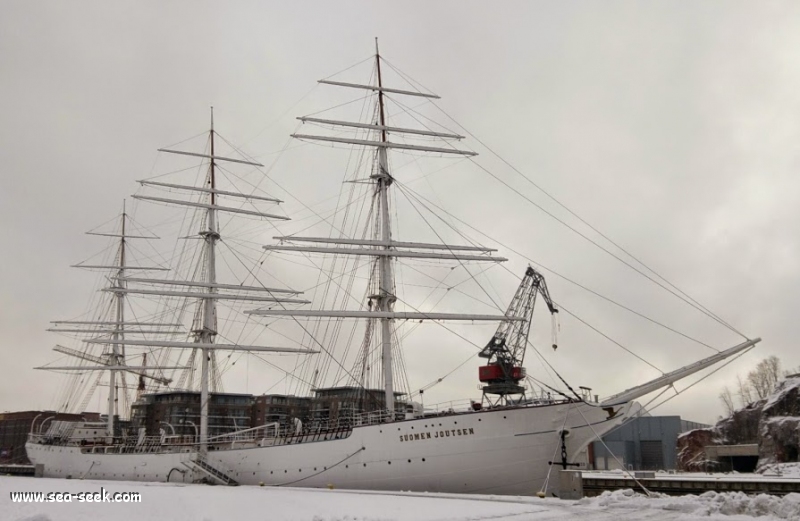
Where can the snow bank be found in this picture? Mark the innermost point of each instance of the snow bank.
(708, 504)
(783, 470)
(178, 502)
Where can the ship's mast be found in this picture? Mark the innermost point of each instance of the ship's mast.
(380, 306)
(208, 291)
(209, 329)
(119, 331)
(113, 333)
(385, 297)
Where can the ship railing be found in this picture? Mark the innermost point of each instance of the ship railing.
(449, 407)
(371, 418)
(141, 445)
(347, 421)
(264, 435)
(58, 433)
(52, 439)
(35, 438)
(148, 444)
(467, 405)
(61, 429)
(317, 432)
(251, 435)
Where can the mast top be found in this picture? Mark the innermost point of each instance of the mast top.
(381, 114)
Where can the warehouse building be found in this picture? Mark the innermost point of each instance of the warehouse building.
(643, 443)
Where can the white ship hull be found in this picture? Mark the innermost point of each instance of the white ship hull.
(502, 451)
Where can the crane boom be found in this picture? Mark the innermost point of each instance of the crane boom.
(506, 349)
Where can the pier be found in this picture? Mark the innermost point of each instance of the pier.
(21, 470)
(595, 483)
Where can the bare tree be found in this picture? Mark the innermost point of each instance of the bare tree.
(726, 396)
(765, 377)
(789, 372)
(759, 384)
(745, 391)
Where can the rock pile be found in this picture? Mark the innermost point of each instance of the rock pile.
(773, 424)
(779, 431)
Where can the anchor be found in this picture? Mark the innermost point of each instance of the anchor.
(564, 464)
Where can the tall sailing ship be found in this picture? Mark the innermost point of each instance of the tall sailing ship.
(356, 427)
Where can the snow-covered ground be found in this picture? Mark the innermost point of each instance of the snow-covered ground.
(784, 470)
(205, 503)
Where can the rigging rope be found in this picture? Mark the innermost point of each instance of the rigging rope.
(325, 469)
(318, 343)
(621, 465)
(420, 197)
(680, 293)
(553, 459)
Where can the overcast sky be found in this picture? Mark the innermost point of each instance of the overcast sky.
(670, 126)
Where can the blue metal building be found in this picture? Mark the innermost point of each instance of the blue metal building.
(644, 443)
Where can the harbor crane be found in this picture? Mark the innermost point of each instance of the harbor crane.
(506, 350)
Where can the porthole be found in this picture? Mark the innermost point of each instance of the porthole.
(390, 463)
(365, 464)
(456, 423)
(409, 461)
(315, 468)
(347, 466)
(423, 459)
